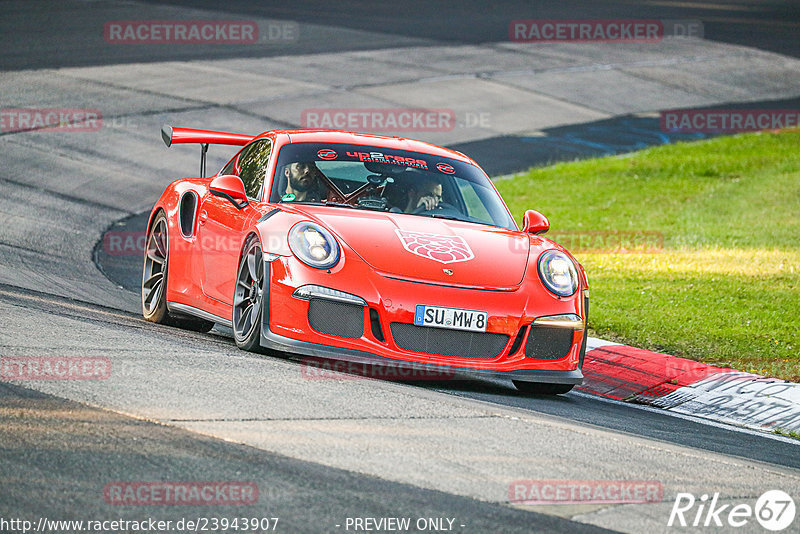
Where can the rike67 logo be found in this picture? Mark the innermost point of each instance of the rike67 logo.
(774, 510)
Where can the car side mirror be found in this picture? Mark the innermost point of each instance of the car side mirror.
(230, 187)
(535, 223)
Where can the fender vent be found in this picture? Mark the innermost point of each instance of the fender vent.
(187, 210)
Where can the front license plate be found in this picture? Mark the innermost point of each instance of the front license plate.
(454, 318)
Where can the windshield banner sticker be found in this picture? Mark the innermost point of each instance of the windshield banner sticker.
(441, 248)
(380, 157)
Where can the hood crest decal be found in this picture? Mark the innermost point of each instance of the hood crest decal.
(442, 248)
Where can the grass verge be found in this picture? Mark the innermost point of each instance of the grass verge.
(788, 433)
(692, 249)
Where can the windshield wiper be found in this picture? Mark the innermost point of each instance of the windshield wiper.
(449, 217)
(360, 205)
(320, 203)
(337, 204)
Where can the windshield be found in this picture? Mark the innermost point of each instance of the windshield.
(382, 179)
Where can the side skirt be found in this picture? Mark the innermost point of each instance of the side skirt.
(185, 309)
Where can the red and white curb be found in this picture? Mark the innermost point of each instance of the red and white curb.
(687, 387)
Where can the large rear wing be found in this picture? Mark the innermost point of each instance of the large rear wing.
(175, 135)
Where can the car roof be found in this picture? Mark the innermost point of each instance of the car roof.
(380, 141)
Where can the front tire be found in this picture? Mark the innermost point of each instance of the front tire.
(248, 297)
(154, 280)
(539, 388)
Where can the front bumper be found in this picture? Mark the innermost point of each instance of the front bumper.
(285, 327)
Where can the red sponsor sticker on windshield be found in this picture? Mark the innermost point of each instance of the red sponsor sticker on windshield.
(327, 154)
(445, 168)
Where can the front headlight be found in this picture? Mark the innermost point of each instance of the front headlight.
(313, 245)
(558, 273)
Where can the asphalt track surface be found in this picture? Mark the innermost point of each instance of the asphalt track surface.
(86, 446)
(58, 453)
(60, 41)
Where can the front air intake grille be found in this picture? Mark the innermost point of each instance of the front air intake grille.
(548, 343)
(336, 318)
(448, 342)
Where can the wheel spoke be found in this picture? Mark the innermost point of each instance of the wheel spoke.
(254, 313)
(159, 241)
(242, 304)
(154, 255)
(152, 296)
(259, 266)
(252, 265)
(154, 279)
(245, 320)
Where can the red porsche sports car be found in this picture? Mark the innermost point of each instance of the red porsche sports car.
(369, 249)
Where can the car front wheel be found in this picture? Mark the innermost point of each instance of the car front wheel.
(248, 297)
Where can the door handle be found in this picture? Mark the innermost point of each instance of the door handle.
(203, 216)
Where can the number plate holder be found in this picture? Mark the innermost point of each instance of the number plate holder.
(451, 318)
